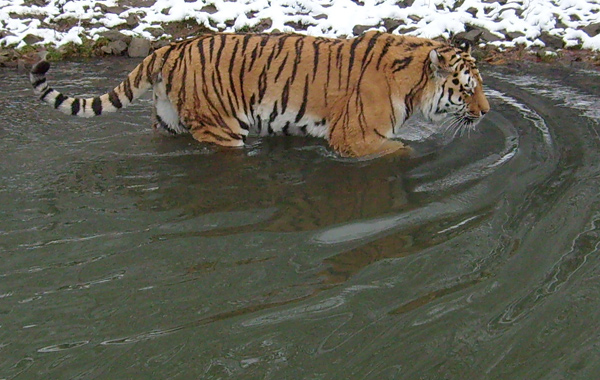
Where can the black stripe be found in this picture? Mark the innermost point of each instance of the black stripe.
(353, 47)
(75, 107)
(40, 68)
(298, 47)
(127, 89)
(60, 98)
(36, 83)
(262, 84)
(384, 51)
(245, 43)
(97, 105)
(281, 67)
(220, 51)
(43, 96)
(285, 96)
(304, 101)
(401, 64)
(253, 57)
(272, 116)
(114, 99)
(230, 71)
(370, 47)
(211, 47)
(379, 134)
(150, 68)
(316, 46)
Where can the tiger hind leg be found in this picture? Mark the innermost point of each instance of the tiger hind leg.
(166, 117)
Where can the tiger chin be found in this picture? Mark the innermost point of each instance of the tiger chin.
(356, 93)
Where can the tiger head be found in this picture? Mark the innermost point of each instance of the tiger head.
(455, 94)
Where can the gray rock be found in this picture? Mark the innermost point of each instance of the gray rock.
(6, 56)
(139, 47)
(30, 39)
(106, 9)
(115, 35)
(360, 29)
(117, 47)
(473, 11)
(133, 20)
(488, 36)
(552, 41)
(592, 30)
(263, 25)
(160, 43)
(391, 24)
(210, 9)
(472, 35)
(156, 32)
(513, 35)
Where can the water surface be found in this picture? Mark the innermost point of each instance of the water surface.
(129, 255)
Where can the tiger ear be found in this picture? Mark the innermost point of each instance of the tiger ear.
(464, 45)
(438, 64)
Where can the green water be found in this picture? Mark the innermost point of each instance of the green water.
(128, 255)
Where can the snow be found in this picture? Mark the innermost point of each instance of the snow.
(335, 18)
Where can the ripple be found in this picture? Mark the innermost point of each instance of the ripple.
(63, 346)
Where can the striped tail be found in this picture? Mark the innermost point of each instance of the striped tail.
(121, 96)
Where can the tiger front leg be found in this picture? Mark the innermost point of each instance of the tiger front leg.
(360, 124)
(218, 136)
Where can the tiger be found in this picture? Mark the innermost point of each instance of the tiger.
(356, 93)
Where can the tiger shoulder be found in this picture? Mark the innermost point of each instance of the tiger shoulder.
(356, 93)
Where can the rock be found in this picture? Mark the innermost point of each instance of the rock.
(115, 35)
(592, 30)
(360, 29)
(262, 25)
(139, 47)
(106, 49)
(552, 41)
(160, 43)
(209, 8)
(472, 35)
(6, 56)
(30, 39)
(116, 10)
(155, 32)
(391, 24)
(512, 35)
(117, 47)
(547, 54)
(473, 11)
(133, 20)
(488, 36)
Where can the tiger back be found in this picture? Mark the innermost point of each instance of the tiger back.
(356, 93)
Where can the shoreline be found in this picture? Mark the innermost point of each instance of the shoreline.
(502, 31)
(115, 44)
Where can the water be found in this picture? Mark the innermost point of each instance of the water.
(127, 255)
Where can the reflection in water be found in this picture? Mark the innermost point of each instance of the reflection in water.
(130, 255)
